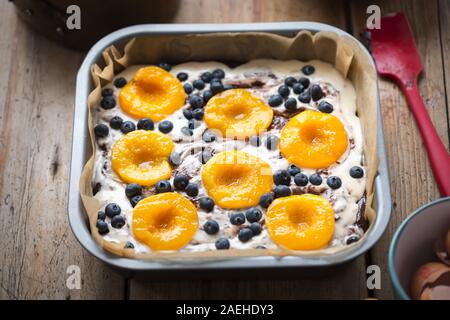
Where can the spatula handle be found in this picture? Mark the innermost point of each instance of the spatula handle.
(437, 152)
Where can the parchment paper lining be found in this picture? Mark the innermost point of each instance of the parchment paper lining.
(341, 51)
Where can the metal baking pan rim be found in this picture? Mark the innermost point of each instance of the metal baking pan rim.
(77, 216)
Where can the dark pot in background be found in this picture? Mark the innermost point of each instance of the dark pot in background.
(98, 18)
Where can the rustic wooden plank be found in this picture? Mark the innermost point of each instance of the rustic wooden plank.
(37, 82)
(412, 182)
(444, 16)
(206, 11)
(347, 284)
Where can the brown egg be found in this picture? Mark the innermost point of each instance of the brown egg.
(439, 289)
(427, 273)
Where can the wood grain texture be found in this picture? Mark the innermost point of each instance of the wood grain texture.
(36, 107)
(444, 16)
(412, 182)
(220, 11)
(348, 284)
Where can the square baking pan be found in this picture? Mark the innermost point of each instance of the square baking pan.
(81, 151)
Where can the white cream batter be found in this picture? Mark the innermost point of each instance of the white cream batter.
(340, 93)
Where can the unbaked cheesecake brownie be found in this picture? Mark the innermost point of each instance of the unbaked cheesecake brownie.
(201, 156)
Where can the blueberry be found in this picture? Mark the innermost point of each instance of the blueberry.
(186, 131)
(325, 107)
(107, 92)
(187, 113)
(245, 234)
(222, 244)
(211, 227)
(194, 124)
(165, 126)
(102, 227)
(127, 126)
(293, 170)
(255, 141)
(182, 76)
(237, 218)
(256, 228)
(265, 200)
(198, 84)
(316, 92)
(180, 181)
(205, 156)
(308, 69)
(112, 209)
(284, 91)
(289, 81)
(132, 190)
(291, 104)
(101, 130)
(301, 179)
(282, 177)
(120, 82)
(117, 222)
(315, 179)
(206, 76)
(216, 87)
(298, 88)
(134, 200)
(218, 74)
(275, 100)
(163, 186)
(206, 203)
(108, 102)
(101, 215)
(227, 87)
(207, 94)
(165, 66)
(198, 114)
(115, 122)
(356, 172)
(253, 214)
(304, 82)
(272, 143)
(305, 96)
(145, 124)
(334, 182)
(281, 191)
(352, 239)
(209, 136)
(192, 189)
(196, 101)
(129, 245)
(188, 88)
(175, 159)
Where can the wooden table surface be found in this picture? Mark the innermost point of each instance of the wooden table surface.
(37, 85)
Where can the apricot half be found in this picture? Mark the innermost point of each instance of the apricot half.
(236, 179)
(142, 157)
(300, 222)
(238, 114)
(313, 139)
(152, 93)
(165, 221)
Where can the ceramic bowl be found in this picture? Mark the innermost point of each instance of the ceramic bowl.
(412, 244)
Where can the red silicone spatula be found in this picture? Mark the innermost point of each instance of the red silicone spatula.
(396, 57)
